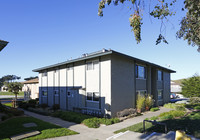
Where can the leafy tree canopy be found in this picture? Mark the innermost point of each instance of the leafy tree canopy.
(191, 86)
(8, 78)
(162, 9)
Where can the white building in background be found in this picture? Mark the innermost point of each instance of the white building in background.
(175, 87)
(102, 83)
(31, 89)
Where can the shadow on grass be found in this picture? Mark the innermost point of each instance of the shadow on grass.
(15, 126)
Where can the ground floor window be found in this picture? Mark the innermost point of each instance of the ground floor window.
(44, 93)
(93, 96)
(141, 92)
(56, 92)
(160, 94)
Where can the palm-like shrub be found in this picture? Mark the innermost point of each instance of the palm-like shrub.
(148, 102)
(140, 103)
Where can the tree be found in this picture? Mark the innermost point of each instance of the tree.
(8, 78)
(162, 9)
(191, 86)
(14, 87)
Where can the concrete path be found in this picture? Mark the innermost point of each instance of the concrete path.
(101, 133)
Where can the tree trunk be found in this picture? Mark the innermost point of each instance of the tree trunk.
(15, 100)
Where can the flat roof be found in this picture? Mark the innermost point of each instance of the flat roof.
(97, 54)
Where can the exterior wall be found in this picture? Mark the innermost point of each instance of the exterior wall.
(122, 84)
(74, 78)
(31, 90)
(166, 87)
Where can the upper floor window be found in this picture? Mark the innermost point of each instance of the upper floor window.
(44, 74)
(140, 72)
(160, 75)
(92, 65)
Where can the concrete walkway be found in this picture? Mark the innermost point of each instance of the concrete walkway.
(101, 133)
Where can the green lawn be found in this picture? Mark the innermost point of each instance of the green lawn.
(14, 126)
(8, 104)
(10, 93)
(190, 124)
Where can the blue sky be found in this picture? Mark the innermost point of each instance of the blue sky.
(45, 32)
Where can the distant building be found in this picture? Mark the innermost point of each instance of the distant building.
(3, 44)
(102, 82)
(175, 87)
(31, 89)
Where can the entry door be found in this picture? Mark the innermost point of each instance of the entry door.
(72, 101)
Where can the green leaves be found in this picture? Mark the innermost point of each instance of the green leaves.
(191, 87)
(135, 23)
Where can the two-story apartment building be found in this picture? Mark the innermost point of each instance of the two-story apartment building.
(103, 82)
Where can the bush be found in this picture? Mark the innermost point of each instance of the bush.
(109, 121)
(179, 108)
(171, 114)
(154, 118)
(148, 102)
(56, 107)
(194, 100)
(92, 123)
(197, 107)
(15, 112)
(154, 109)
(170, 105)
(140, 103)
(43, 106)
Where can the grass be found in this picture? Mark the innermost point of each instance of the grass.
(90, 121)
(189, 124)
(153, 109)
(10, 93)
(14, 126)
(8, 104)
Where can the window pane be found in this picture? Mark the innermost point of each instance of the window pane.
(160, 77)
(96, 64)
(95, 96)
(44, 74)
(89, 66)
(160, 94)
(136, 71)
(141, 72)
(56, 92)
(89, 96)
(44, 93)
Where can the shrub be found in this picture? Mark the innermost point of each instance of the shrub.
(15, 112)
(166, 117)
(173, 113)
(92, 122)
(140, 102)
(179, 108)
(154, 118)
(148, 102)
(33, 101)
(43, 106)
(194, 100)
(197, 107)
(4, 117)
(170, 105)
(154, 109)
(56, 107)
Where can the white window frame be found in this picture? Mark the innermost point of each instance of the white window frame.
(161, 94)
